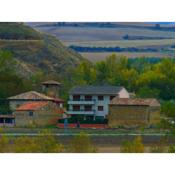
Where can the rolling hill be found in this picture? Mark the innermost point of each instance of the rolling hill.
(34, 50)
(96, 40)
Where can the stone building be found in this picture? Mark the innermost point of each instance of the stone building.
(30, 96)
(133, 112)
(36, 108)
(40, 113)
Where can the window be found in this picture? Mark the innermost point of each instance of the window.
(9, 120)
(1, 120)
(100, 108)
(88, 97)
(76, 107)
(30, 113)
(100, 98)
(76, 97)
(111, 97)
(88, 108)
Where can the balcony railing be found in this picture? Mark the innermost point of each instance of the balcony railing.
(81, 112)
(81, 101)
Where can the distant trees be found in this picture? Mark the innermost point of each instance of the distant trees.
(147, 78)
(112, 49)
(157, 26)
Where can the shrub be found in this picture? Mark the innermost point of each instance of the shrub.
(135, 146)
(81, 144)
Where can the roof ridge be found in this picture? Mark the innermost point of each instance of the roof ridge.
(32, 92)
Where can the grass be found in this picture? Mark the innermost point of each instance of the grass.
(88, 131)
(17, 31)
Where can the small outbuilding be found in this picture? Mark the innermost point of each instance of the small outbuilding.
(136, 111)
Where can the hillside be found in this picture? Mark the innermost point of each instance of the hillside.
(85, 32)
(35, 51)
(97, 40)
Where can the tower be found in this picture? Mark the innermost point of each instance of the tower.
(51, 88)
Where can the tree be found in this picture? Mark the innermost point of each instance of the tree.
(48, 142)
(25, 145)
(147, 92)
(135, 146)
(84, 74)
(168, 109)
(81, 144)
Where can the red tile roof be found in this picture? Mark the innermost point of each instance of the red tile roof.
(31, 106)
(135, 101)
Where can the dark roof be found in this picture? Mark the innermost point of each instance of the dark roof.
(92, 90)
(135, 102)
(51, 82)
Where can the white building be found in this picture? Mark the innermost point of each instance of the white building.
(92, 101)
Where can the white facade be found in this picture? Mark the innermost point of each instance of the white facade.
(97, 106)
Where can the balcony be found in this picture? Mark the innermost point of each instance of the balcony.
(82, 112)
(81, 101)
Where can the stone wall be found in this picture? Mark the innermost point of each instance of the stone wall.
(39, 118)
(132, 115)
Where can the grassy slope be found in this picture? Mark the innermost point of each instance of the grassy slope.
(35, 53)
(17, 31)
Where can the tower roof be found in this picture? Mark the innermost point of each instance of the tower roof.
(51, 82)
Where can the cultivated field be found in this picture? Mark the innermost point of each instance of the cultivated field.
(124, 43)
(94, 57)
(74, 34)
(159, 38)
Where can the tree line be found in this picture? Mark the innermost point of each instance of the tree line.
(147, 78)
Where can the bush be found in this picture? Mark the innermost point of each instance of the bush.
(135, 146)
(81, 144)
(46, 142)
